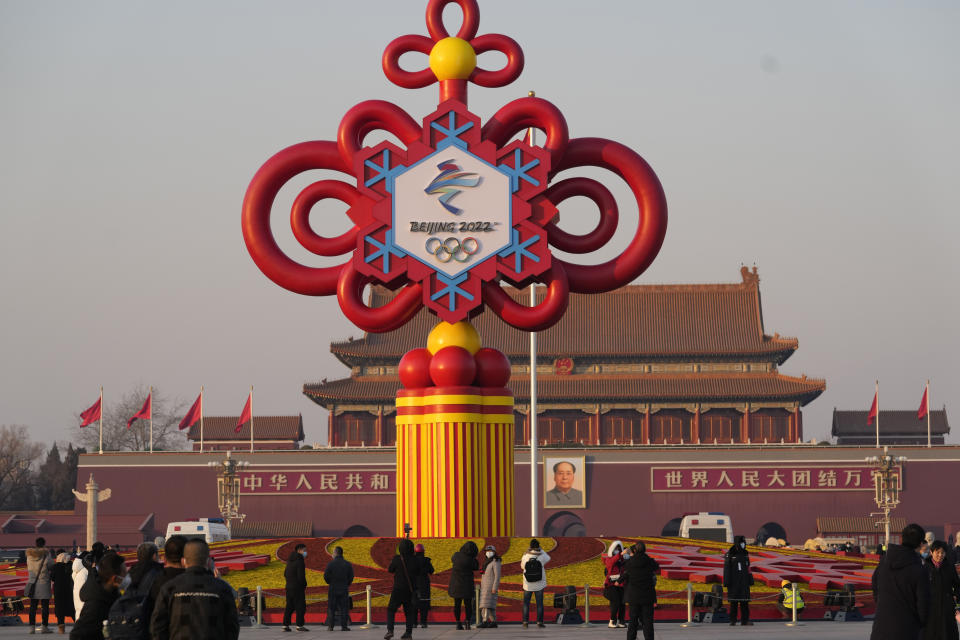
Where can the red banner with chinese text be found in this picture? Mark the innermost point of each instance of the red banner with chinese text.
(334, 481)
(763, 478)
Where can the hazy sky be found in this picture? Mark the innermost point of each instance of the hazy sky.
(818, 140)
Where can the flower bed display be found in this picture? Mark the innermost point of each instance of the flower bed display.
(573, 561)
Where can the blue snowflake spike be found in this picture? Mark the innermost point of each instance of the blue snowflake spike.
(452, 131)
(518, 171)
(385, 172)
(384, 250)
(451, 289)
(519, 250)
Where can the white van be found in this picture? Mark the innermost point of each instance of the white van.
(707, 526)
(209, 529)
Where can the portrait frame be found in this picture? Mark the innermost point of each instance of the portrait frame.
(550, 486)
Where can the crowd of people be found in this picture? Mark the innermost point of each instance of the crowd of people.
(631, 578)
(915, 586)
(183, 598)
(916, 589)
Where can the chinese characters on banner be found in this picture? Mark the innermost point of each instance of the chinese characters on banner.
(284, 482)
(763, 478)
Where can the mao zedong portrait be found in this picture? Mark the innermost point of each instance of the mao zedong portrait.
(563, 493)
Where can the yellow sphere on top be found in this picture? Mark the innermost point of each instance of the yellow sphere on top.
(453, 59)
(460, 334)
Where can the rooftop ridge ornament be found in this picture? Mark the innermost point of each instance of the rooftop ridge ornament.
(449, 258)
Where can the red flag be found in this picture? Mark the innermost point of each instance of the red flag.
(873, 409)
(246, 414)
(193, 415)
(144, 413)
(92, 414)
(924, 403)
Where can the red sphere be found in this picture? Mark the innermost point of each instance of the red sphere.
(415, 369)
(453, 367)
(493, 368)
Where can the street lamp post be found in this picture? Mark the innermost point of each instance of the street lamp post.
(886, 487)
(228, 488)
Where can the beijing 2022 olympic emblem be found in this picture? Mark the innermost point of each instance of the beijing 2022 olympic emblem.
(463, 205)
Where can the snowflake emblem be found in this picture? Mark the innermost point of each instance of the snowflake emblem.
(462, 206)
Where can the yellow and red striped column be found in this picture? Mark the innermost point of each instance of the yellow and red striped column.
(455, 438)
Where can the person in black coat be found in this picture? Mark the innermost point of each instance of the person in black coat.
(640, 576)
(737, 579)
(195, 604)
(406, 571)
(339, 576)
(461, 588)
(62, 576)
(172, 564)
(145, 565)
(98, 594)
(901, 590)
(296, 588)
(423, 585)
(944, 594)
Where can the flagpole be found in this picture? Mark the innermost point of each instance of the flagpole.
(101, 419)
(201, 418)
(878, 414)
(150, 395)
(534, 471)
(251, 418)
(928, 413)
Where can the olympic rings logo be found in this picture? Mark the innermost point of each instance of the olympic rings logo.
(452, 248)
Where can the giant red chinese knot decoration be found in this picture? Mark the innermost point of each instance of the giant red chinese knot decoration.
(462, 207)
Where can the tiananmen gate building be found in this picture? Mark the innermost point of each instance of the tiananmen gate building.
(645, 364)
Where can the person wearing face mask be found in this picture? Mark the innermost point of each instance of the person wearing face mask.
(613, 584)
(129, 617)
(737, 579)
(296, 576)
(944, 595)
(489, 586)
(98, 594)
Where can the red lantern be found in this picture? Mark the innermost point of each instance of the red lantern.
(493, 368)
(414, 369)
(452, 367)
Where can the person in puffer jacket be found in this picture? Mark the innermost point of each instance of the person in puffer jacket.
(83, 566)
(613, 584)
(79, 577)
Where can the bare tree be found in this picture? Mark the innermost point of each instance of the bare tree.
(17, 457)
(117, 437)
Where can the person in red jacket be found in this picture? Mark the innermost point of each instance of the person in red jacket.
(613, 584)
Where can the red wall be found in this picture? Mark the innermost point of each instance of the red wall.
(618, 496)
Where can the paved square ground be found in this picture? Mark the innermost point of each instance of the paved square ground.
(668, 630)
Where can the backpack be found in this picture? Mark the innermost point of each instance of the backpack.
(128, 618)
(533, 570)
